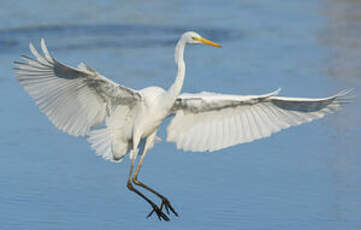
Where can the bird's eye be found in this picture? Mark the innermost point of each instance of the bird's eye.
(194, 38)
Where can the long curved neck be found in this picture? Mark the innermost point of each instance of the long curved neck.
(176, 87)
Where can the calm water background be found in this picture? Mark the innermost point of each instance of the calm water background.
(308, 177)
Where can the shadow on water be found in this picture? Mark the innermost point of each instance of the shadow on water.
(105, 36)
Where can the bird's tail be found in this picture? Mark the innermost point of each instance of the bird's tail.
(108, 145)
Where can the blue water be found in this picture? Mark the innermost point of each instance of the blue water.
(308, 177)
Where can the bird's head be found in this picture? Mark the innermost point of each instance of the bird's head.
(194, 38)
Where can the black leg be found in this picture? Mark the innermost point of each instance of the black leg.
(157, 210)
(165, 202)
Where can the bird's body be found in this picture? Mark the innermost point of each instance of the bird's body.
(152, 111)
(141, 121)
(77, 100)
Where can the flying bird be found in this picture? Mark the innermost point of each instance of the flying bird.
(77, 100)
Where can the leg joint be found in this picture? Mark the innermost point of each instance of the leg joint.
(136, 181)
(129, 185)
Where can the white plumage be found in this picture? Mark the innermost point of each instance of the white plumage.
(209, 121)
(77, 100)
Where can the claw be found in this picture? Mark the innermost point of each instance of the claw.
(167, 205)
(164, 205)
(166, 208)
(150, 213)
(159, 212)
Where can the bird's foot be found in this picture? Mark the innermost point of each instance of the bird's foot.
(168, 206)
(159, 213)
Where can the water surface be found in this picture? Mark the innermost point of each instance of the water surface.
(306, 177)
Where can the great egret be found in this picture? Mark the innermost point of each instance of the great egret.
(77, 100)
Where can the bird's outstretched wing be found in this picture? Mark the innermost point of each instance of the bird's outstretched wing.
(210, 121)
(74, 99)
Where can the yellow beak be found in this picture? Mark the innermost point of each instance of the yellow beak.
(207, 42)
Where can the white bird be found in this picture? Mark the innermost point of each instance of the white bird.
(77, 100)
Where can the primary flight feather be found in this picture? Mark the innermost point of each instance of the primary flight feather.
(77, 100)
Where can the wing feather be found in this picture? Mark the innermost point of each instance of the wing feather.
(209, 121)
(75, 100)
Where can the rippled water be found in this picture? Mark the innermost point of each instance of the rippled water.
(306, 177)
